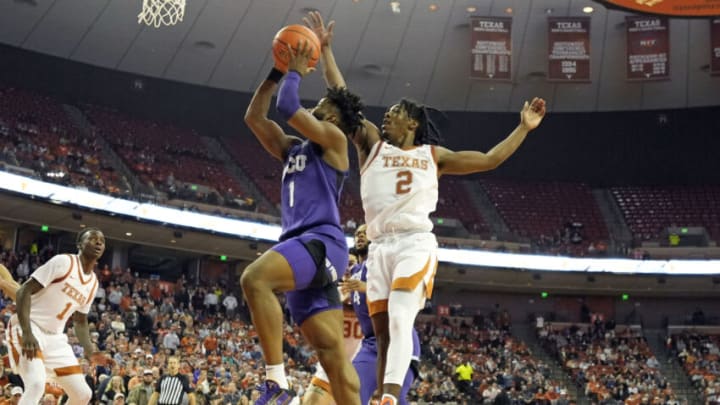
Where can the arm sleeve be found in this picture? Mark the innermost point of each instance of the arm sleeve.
(288, 101)
(53, 269)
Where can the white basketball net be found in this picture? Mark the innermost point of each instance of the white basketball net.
(162, 12)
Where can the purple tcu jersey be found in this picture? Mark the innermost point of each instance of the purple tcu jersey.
(310, 191)
(359, 301)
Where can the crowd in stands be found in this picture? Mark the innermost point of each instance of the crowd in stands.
(699, 355)
(611, 365)
(36, 134)
(141, 322)
(502, 370)
(170, 159)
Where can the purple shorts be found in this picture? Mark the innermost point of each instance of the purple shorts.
(318, 261)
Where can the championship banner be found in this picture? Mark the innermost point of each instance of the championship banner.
(491, 45)
(648, 48)
(569, 49)
(683, 8)
(715, 46)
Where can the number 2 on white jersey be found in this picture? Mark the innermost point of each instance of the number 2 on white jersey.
(403, 185)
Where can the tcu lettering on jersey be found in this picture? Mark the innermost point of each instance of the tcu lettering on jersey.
(295, 164)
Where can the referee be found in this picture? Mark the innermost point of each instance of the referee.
(169, 390)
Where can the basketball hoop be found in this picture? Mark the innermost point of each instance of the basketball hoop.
(162, 12)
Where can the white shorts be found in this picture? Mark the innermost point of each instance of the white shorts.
(55, 351)
(400, 262)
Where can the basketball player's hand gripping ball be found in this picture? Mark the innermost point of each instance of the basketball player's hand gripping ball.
(289, 39)
(300, 59)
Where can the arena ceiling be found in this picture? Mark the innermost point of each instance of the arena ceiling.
(417, 52)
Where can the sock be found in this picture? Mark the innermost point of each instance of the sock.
(391, 397)
(276, 373)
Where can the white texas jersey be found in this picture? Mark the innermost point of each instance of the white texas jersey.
(66, 289)
(399, 189)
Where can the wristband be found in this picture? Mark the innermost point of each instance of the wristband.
(275, 75)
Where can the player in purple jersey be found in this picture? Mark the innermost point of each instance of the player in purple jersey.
(365, 360)
(312, 253)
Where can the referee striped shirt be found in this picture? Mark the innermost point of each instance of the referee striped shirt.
(171, 389)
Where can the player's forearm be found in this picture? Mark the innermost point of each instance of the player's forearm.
(23, 299)
(260, 103)
(502, 151)
(331, 71)
(82, 332)
(153, 399)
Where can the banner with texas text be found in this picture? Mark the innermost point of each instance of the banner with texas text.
(648, 48)
(715, 46)
(491, 48)
(569, 49)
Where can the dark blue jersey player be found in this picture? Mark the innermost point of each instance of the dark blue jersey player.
(312, 253)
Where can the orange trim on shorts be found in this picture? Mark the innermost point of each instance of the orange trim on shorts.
(13, 350)
(59, 279)
(431, 283)
(369, 161)
(411, 282)
(69, 370)
(16, 354)
(376, 307)
(322, 384)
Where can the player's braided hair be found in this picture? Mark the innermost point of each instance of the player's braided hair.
(349, 105)
(82, 233)
(427, 132)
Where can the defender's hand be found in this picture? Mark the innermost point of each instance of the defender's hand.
(532, 113)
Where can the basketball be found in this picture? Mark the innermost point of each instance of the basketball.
(293, 35)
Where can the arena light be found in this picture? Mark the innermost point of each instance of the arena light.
(253, 230)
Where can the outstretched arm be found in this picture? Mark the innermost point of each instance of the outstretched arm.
(267, 131)
(331, 72)
(466, 162)
(368, 134)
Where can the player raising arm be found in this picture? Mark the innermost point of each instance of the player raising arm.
(312, 253)
(400, 165)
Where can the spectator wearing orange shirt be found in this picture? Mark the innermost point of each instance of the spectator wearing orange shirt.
(210, 343)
